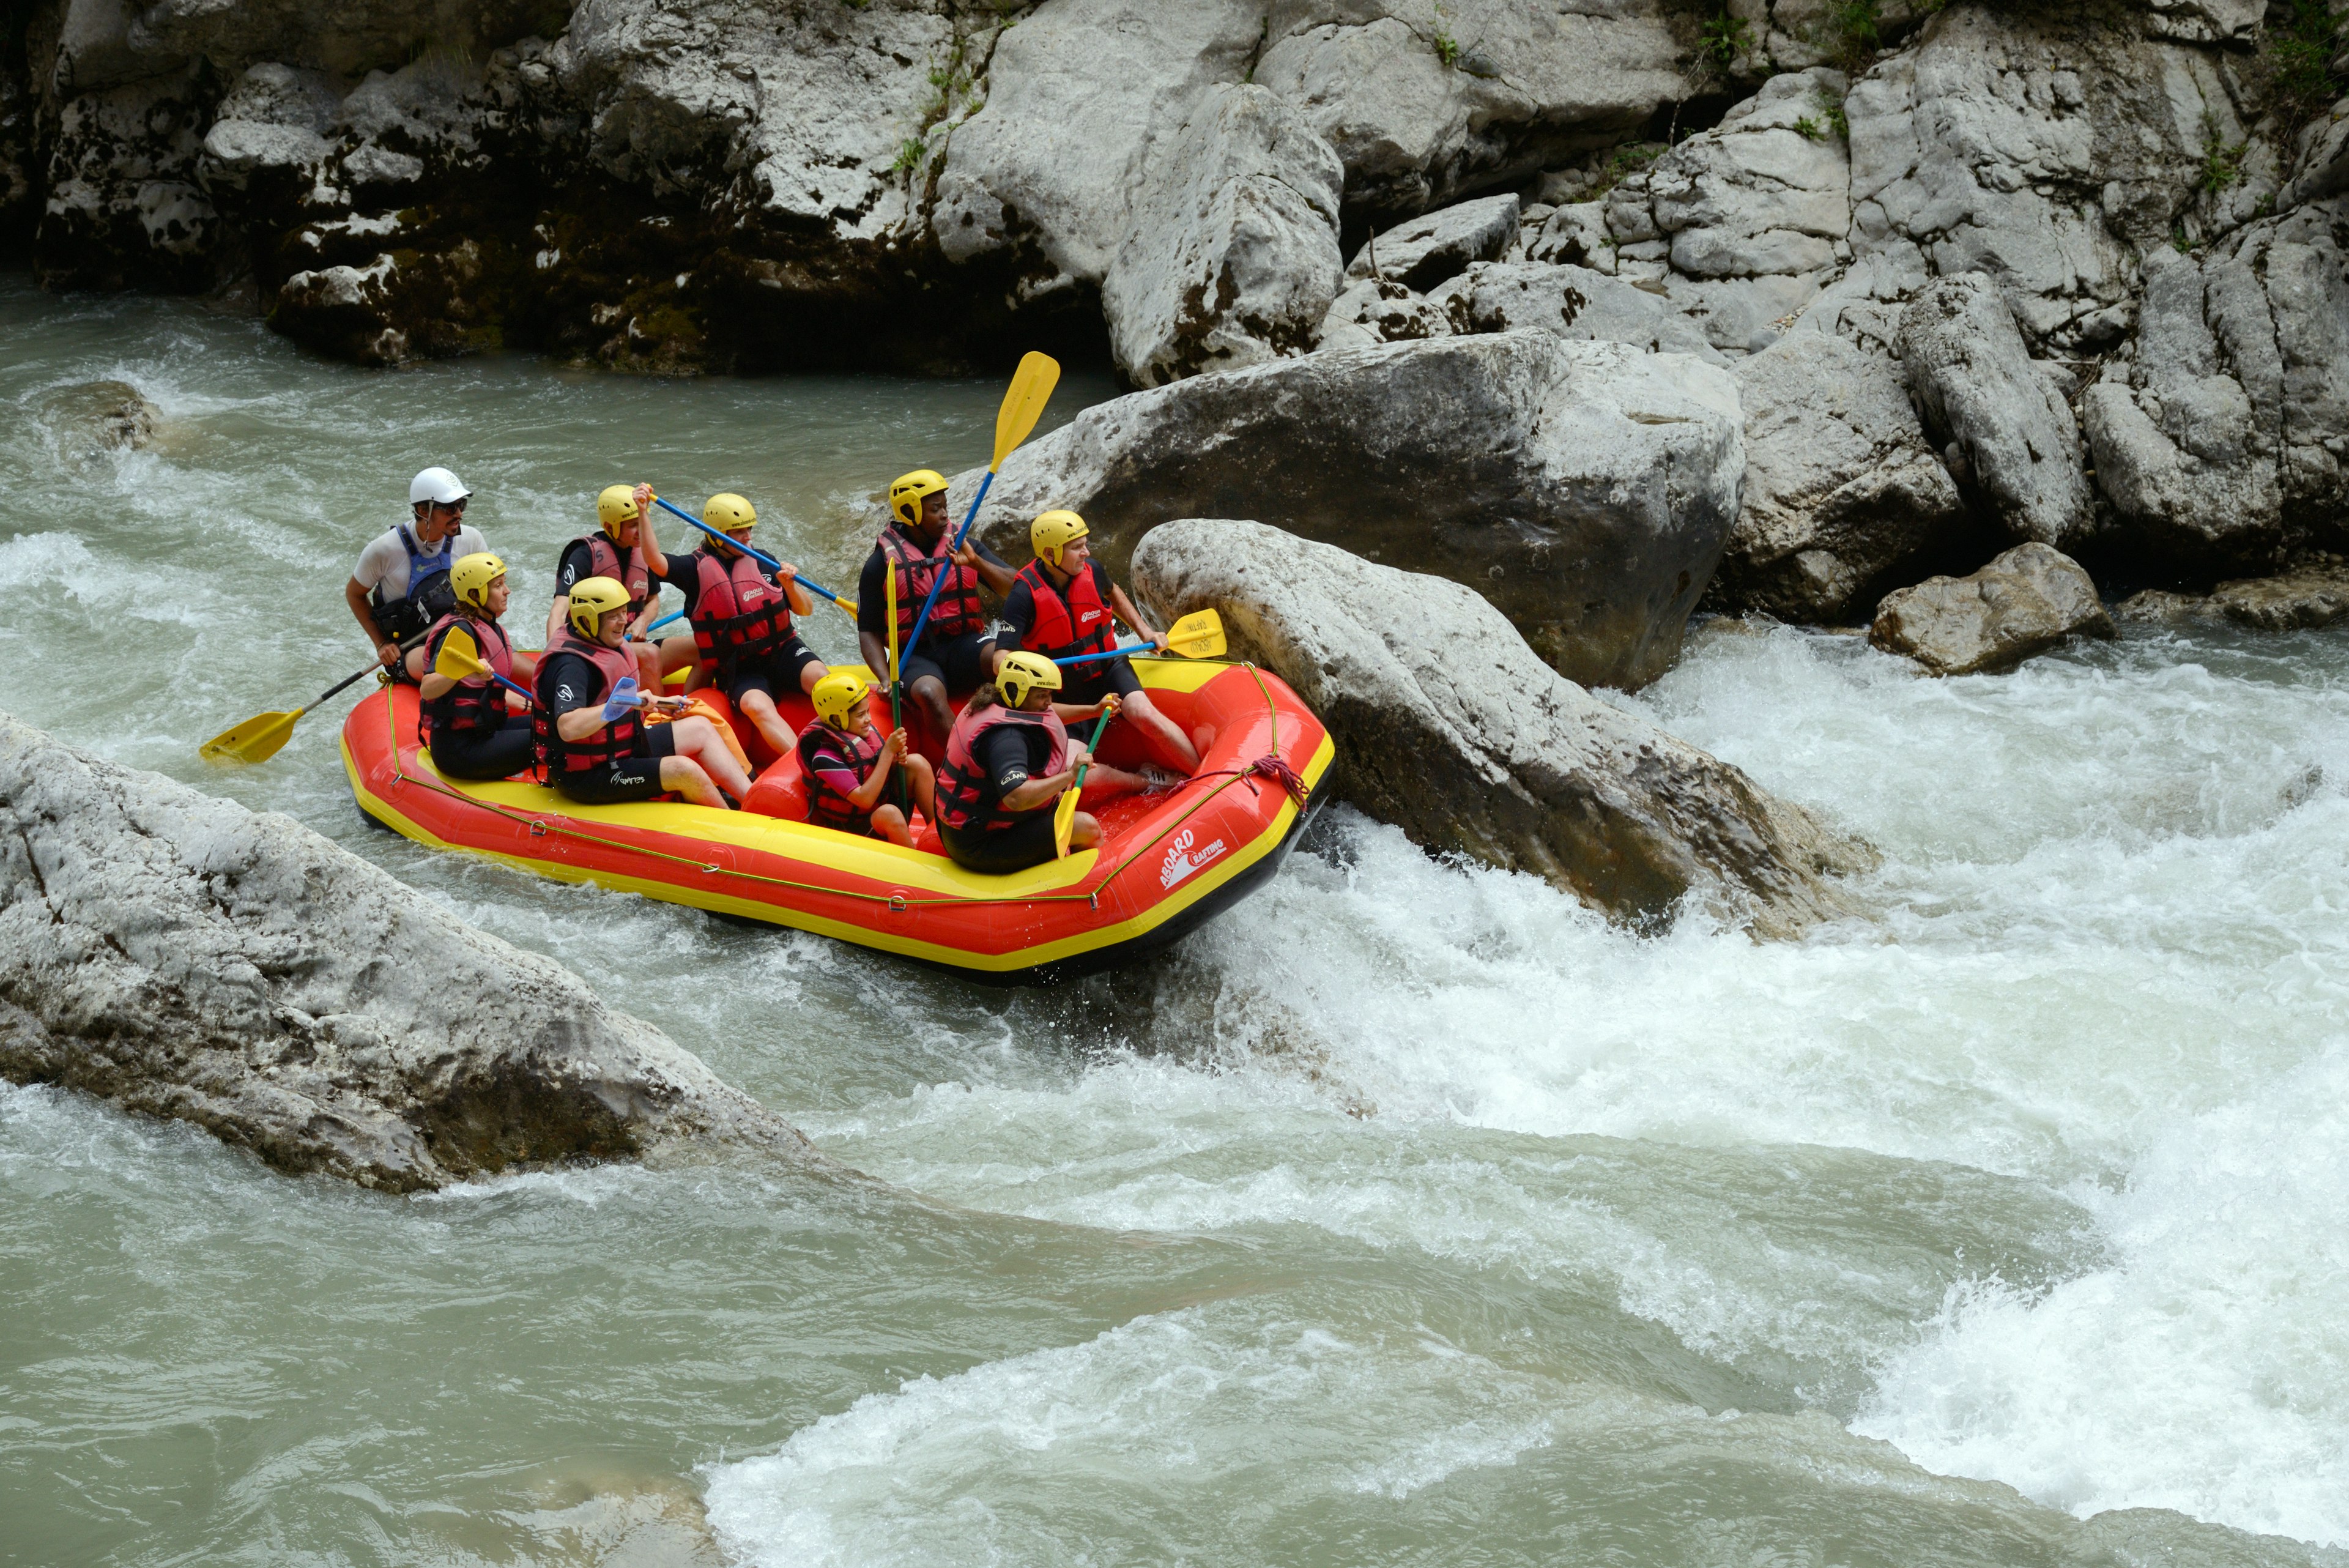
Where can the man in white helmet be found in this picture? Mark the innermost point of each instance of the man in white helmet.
(401, 586)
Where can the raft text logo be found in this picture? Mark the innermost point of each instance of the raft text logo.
(1180, 862)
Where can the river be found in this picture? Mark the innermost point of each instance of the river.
(1409, 1213)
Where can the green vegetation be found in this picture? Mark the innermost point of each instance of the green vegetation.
(2297, 62)
(1629, 159)
(909, 155)
(1832, 107)
(1809, 128)
(2221, 165)
(1724, 38)
(1447, 48)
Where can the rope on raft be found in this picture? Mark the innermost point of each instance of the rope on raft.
(1270, 766)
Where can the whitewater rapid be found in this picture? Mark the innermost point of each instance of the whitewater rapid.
(1409, 1212)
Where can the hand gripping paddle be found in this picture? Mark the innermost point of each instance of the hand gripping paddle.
(460, 658)
(1064, 816)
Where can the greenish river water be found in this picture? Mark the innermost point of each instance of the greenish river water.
(1407, 1214)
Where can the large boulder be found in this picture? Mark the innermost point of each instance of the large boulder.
(2313, 594)
(1231, 249)
(1450, 728)
(1584, 488)
(2014, 435)
(1575, 303)
(1842, 490)
(187, 958)
(2026, 601)
(1441, 246)
(2221, 436)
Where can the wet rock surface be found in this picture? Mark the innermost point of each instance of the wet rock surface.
(186, 958)
(2026, 601)
(1585, 489)
(1448, 726)
(2313, 594)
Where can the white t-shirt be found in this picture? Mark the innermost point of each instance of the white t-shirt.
(385, 559)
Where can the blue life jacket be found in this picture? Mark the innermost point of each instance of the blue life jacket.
(430, 594)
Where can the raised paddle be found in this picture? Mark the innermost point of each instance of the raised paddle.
(1064, 816)
(1199, 636)
(1023, 405)
(458, 663)
(259, 738)
(755, 554)
(897, 710)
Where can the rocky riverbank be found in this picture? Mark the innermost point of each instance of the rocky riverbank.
(184, 957)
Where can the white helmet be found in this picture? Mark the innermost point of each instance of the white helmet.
(437, 484)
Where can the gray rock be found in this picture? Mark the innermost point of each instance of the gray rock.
(1979, 390)
(1527, 87)
(1450, 728)
(1841, 488)
(2024, 602)
(93, 417)
(1575, 235)
(1231, 256)
(2206, 21)
(1584, 488)
(187, 958)
(1569, 302)
(2313, 594)
(1371, 311)
(1791, 34)
(2225, 437)
(1440, 247)
(2044, 146)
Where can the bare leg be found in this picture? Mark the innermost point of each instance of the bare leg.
(814, 671)
(929, 694)
(697, 739)
(891, 824)
(759, 708)
(1103, 782)
(676, 652)
(1168, 744)
(921, 783)
(1085, 832)
(648, 667)
(683, 775)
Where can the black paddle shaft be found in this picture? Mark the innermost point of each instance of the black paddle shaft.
(370, 669)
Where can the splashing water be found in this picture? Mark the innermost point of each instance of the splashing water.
(1409, 1212)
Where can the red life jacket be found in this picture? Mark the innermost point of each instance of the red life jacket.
(620, 738)
(827, 807)
(603, 558)
(964, 782)
(476, 702)
(958, 610)
(739, 613)
(1067, 624)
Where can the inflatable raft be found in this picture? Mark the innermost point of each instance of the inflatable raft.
(1167, 861)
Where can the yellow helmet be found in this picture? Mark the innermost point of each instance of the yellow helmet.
(472, 575)
(592, 598)
(837, 693)
(908, 491)
(616, 505)
(1020, 674)
(1051, 532)
(729, 511)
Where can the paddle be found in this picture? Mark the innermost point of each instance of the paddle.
(458, 663)
(755, 554)
(897, 712)
(259, 738)
(1023, 405)
(1064, 816)
(1199, 636)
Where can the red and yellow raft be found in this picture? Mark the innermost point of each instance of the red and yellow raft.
(1166, 863)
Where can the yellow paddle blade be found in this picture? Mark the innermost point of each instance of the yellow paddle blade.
(1023, 405)
(1064, 822)
(458, 657)
(1199, 636)
(255, 740)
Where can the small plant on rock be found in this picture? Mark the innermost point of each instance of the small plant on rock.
(1832, 108)
(2221, 165)
(1723, 39)
(1809, 128)
(1851, 30)
(2297, 63)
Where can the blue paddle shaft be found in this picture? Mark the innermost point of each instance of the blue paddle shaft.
(939, 580)
(1113, 653)
(752, 551)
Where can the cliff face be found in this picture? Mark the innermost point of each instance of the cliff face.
(2140, 201)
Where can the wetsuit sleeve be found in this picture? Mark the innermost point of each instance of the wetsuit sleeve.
(1018, 619)
(1003, 752)
(576, 564)
(570, 682)
(685, 576)
(872, 597)
(835, 770)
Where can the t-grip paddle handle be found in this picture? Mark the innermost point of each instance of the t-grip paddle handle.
(752, 551)
(626, 696)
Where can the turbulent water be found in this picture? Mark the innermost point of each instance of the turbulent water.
(1407, 1214)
